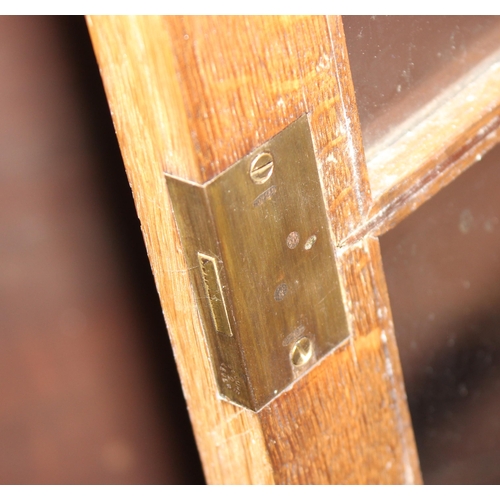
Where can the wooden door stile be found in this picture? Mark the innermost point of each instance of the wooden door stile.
(190, 96)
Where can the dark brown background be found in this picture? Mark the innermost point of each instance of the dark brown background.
(442, 265)
(89, 392)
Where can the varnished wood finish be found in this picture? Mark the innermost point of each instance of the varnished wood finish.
(368, 437)
(192, 95)
(137, 69)
(245, 79)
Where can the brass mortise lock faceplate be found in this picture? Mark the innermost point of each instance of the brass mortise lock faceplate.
(262, 265)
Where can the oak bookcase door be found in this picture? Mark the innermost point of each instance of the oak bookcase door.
(190, 96)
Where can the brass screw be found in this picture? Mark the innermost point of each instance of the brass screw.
(261, 168)
(301, 351)
(310, 242)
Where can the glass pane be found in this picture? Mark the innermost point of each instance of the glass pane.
(442, 265)
(402, 65)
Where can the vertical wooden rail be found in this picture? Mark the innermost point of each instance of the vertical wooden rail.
(190, 96)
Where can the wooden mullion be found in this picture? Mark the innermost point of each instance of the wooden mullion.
(432, 153)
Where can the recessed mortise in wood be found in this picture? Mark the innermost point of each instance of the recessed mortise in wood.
(277, 304)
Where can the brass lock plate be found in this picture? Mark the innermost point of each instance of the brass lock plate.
(262, 266)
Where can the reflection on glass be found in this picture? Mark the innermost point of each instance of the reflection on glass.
(403, 66)
(442, 265)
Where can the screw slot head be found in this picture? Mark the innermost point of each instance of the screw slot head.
(261, 168)
(301, 352)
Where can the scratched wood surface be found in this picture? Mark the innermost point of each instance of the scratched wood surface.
(190, 96)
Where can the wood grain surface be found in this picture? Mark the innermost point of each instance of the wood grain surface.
(137, 68)
(190, 96)
(245, 79)
(347, 421)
